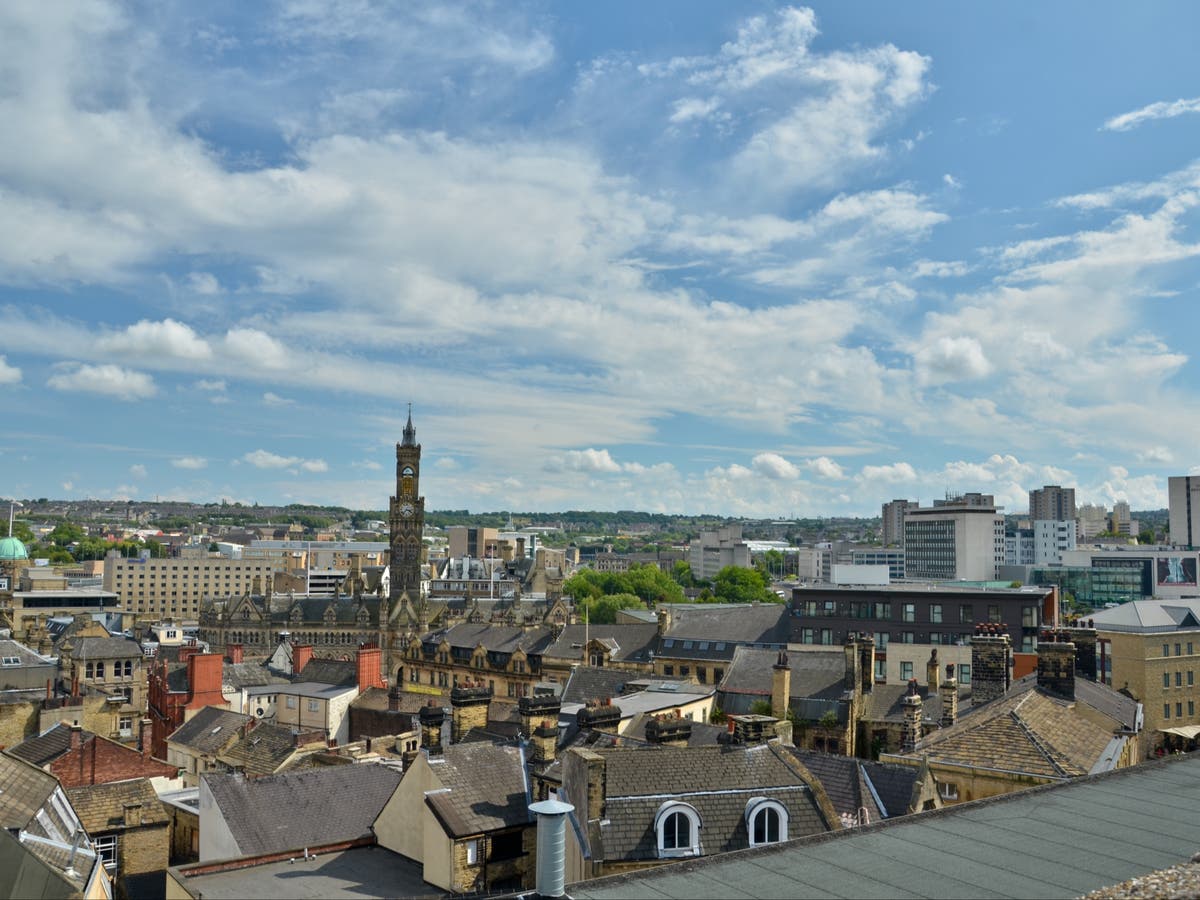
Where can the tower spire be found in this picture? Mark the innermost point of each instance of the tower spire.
(410, 433)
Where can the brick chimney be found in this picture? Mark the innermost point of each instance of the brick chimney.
(76, 736)
(520, 548)
(368, 663)
(671, 729)
(949, 691)
(781, 686)
(301, 654)
(394, 697)
(534, 709)
(991, 663)
(866, 662)
(1056, 664)
(468, 709)
(912, 710)
(600, 715)
(431, 717)
(205, 671)
(933, 671)
(1083, 636)
(234, 652)
(852, 680)
(664, 620)
(751, 729)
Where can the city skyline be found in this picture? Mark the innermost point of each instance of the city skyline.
(758, 260)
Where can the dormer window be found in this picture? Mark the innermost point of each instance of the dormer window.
(677, 829)
(766, 821)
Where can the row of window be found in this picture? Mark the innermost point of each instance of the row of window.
(1179, 675)
(881, 610)
(1178, 648)
(906, 671)
(1191, 709)
(120, 668)
(677, 826)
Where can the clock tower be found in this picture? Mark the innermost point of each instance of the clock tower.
(406, 521)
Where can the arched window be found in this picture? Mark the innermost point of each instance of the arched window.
(766, 821)
(677, 827)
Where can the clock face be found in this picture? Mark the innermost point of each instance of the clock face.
(407, 509)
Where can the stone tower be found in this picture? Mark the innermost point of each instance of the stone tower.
(406, 520)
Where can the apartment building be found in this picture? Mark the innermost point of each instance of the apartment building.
(893, 521)
(714, 550)
(955, 540)
(156, 588)
(1052, 503)
(1183, 498)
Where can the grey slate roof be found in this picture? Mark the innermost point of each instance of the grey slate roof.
(307, 808)
(587, 683)
(249, 674)
(27, 657)
(106, 648)
(209, 730)
(844, 781)
(1100, 697)
(635, 641)
(330, 671)
(1056, 841)
(487, 786)
(745, 623)
(44, 748)
(703, 734)
(716, 781)
(261, 751)
(26, 790)
(816, 674)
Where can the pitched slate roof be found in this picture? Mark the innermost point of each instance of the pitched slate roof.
(44, 748)
(486, 788)
(209, 730)
(106, 648)
(307, 808)
(499, 638)
(1060, 840)
(330, 671)
(884, 703)
(845, 782)
(744, 623)
(635, 641)
(101, 807)
(716, 781)
(26, 790)
(261, 751)
(249, 674)
(587, 683)
(18, 650)
(1026, 731)
(1121, 708)
(817, 674)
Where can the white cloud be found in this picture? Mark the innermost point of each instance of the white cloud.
(167, 339)
(203, 283)
(189, 462)
(590, 460)
(932, 268)
(826, 468)
(951, 182)
(690, 108)
(1163, 109)
(257, 348)
(137, 470)
(272, 399)
(8, 374)
(113, 381)
(264, 459)
(218, 385)
(370, 464)
(895, 473)
(1160, 454)
(775, 467)
(951, 359)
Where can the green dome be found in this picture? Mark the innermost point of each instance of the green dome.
(11, 548)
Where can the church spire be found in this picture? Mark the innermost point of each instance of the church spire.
(410, 433)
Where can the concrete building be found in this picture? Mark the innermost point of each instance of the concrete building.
(477, 543)
(714, 550)
(892, 557)
(1121, 522)
(1183, 498)
(893, 521)
(1092, 520)
(1052, 538)
(1164, 572)
(960, 540)
(1052, 503)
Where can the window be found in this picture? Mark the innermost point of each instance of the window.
(1166, 679)
(1191, 677)
(125, 726)
(766, 821)
(129, 668)
(1191, 707)
(1178, 710)
(1179, 679)
(11, 661)
(935, 613)
(1178, 650)
(964, 673)
(106, 849)
(291, 702)
(668, 670)
(881, 639)
(910, 612)
(677, 826)
(806, 635)
(1166, 649)
(948, 790)
(907, 637)
(994, 613)
(472, 851)
(826, 636)
(1190, 651)
(906, 670)
(90, 671)
(966, 615)
(314, 706)
(881, 670)
(1029, 617)
(1166, 710)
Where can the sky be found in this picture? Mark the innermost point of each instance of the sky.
(686, 257)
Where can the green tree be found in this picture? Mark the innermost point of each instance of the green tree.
(156, 548)
(761, 708)
(65, 533)
(736, 584)
(681, 572)
(1146, 536)
(603, 610)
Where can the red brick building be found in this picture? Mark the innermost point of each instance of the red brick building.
(79, 757)
(177, 688)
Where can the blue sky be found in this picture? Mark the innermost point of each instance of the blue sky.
(748, 259)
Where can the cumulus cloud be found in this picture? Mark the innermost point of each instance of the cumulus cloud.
(590, 460)
(8, 374)
(137, 470)
(189, 462)
(270, 398)
(1163, 109)
(167, 339)
(775, 467)
(951, 359)
(109, 380)
(826, 468)
(257, 348)
(264, 459)
(895, 473)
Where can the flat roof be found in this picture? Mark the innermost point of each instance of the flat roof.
(355, 873)
(1062, 840)
(302, 689)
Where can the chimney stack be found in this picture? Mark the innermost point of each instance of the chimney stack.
(145, 738)
(949, 692)
(394, 698)
(539, 720)
(912, 710)
(205, 674)
(1056, 664)
(933, 671)
(600, 715)
(234, 652)
(76, 736)
(301, 655)
(672, 730)
(468, 709)
(368, 663)
(1083, 636)
(781, 686)
(866, 662)
(991, 663)
(432, 717)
